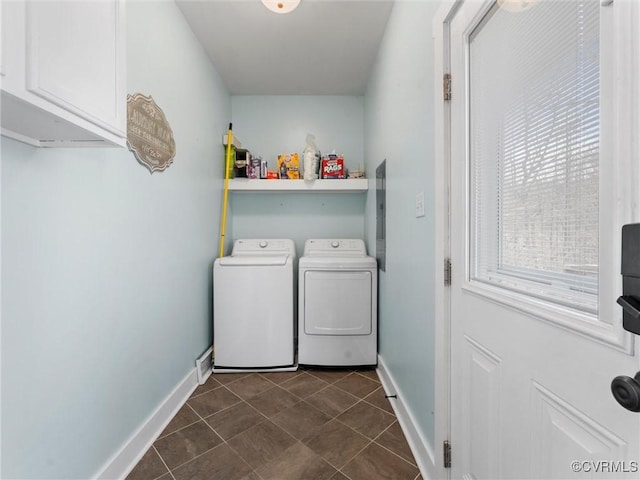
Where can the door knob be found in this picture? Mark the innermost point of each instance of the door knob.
(626, 391)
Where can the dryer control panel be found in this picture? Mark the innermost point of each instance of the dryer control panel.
(334, 247)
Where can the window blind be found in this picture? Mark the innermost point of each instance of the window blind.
(534, 151)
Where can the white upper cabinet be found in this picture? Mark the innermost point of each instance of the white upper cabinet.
(63, 75)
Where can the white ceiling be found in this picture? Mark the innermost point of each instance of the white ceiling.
(324, 47)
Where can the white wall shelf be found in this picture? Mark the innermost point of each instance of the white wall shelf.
(348, 185)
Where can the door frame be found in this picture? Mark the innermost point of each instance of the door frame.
(442, 117)
(623, 59)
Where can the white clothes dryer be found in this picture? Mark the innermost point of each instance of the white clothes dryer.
(337, 304)
(254, 306)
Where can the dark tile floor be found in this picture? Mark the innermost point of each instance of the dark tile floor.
(311, 424)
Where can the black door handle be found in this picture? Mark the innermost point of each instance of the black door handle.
(630, 305)
(626, 391)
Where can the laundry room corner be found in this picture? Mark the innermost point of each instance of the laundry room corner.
(273, 124)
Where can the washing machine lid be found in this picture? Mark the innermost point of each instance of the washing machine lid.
(263, 246)
(335, 247)
(256, 261)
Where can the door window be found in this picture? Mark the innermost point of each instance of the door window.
(534, 152)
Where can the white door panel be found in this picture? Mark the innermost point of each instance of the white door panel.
(561, 432)
(481, 439)
(530, 379)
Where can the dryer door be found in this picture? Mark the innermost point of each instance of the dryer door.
(337, 302)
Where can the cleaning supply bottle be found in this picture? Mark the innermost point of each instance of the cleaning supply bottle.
(310, 157)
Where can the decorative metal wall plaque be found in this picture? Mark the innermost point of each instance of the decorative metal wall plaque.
(149, 135)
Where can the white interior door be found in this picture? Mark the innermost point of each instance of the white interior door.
(544, 167)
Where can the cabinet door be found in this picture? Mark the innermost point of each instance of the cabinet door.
(75, 58)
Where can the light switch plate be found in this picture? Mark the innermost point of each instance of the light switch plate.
(420, 205)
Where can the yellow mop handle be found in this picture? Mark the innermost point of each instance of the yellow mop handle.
(225, 199)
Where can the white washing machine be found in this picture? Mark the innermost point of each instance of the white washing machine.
(254, 306)
(337, 304)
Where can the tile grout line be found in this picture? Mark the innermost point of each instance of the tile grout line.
(244, 375)
(190, 460)
(353, 406)
(209, 426)
(222, 409)
(371, 441)
(344, 475)
(257, 375)
(303, 399)
(395, 454)
(293, 375)
(375, 406)
(391, 451)
(323, 388)
(357, 396)
(357, 453)
(259, 412)
(203, 393)
(181, 428)
(242, 400)
(331, 383)
(369, 378)
(163, 462)
(253, 470)
(360, 400)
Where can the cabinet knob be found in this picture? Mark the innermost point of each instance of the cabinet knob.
(262, 244)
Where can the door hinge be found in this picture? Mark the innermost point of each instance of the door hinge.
(447, 271)
(446, 453)
(446, 87)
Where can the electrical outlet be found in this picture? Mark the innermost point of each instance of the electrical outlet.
(420, 205)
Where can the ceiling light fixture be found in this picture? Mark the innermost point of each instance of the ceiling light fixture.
(281, 6)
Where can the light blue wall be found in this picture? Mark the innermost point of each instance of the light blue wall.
(399, 127)
(106, 268)
(272, 125)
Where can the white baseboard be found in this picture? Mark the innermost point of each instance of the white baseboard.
(420, 447)
(121, 464)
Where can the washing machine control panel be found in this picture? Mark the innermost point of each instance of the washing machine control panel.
(263, 247)
(335, 247)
